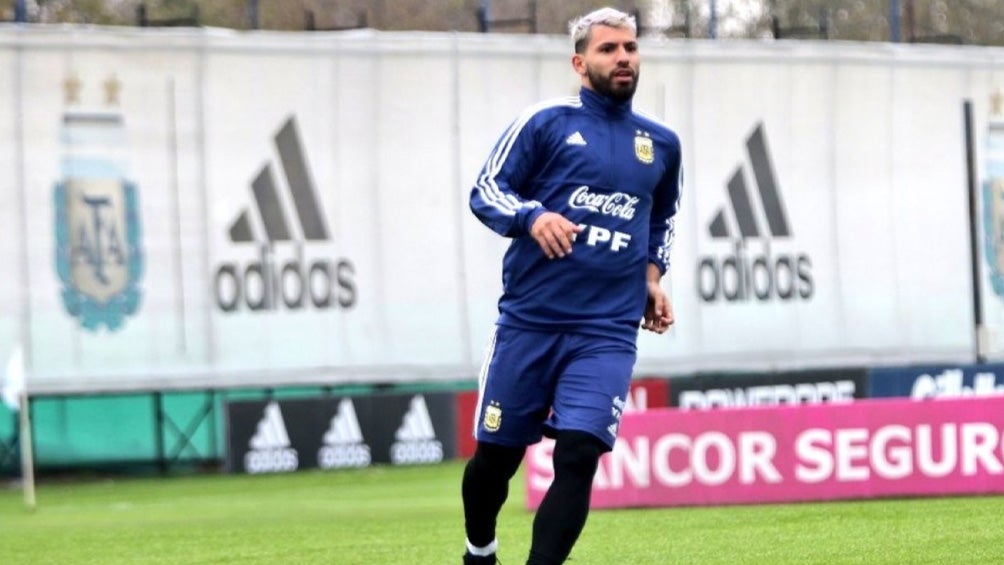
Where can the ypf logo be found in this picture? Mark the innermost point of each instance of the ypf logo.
(751, 270)
(282, 276)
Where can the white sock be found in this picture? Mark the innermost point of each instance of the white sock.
(485, 551)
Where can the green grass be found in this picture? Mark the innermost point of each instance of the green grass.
(412, 515)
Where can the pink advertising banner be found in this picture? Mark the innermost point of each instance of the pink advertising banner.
(865, 449)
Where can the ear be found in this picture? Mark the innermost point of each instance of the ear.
(579, 64)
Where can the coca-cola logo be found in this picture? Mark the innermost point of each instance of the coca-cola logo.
(616, 204)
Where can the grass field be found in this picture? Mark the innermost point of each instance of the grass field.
(412, 515)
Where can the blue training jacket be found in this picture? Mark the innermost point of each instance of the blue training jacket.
(615, 172)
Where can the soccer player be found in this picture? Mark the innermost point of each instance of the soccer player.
(586, 188)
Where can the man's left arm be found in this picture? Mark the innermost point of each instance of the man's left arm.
(665, 203)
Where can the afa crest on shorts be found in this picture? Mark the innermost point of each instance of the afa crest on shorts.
(99, 257)
(493, 417)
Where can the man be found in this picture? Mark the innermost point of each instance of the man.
(587, 190)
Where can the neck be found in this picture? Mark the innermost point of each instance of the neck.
(606, 100)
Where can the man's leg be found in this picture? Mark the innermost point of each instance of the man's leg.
(485, 488)
(562, 513)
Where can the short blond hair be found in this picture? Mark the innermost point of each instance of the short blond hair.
(580, 27)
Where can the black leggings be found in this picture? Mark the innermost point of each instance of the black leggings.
(562, 513)
(486, 487)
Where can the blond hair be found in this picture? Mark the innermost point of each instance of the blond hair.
(580, 28)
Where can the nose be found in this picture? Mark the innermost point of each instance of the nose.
(623, 56)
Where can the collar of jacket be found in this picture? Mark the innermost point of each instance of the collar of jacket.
(604, 104)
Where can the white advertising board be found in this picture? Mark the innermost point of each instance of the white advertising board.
(202, 208)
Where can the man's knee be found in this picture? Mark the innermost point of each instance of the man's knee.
(500, 460)
(577, 453)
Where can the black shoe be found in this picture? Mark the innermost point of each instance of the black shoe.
(479, 560)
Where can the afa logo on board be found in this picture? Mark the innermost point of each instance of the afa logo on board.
(99, 254)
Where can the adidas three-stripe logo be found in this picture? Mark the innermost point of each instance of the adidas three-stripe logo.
(416, 438)
(271, 432)
(739, 196)
(752, 270)
(266, 197)
(416, 424)
(344, 425)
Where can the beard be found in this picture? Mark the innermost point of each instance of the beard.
(605, 85)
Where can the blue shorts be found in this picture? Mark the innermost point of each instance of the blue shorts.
(534, 383)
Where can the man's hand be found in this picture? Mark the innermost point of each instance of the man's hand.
(554, 234)
(658, 308)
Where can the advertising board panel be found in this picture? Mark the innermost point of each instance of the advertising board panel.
(284, 435)
(871, 448)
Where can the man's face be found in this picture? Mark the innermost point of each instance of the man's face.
(610, 63)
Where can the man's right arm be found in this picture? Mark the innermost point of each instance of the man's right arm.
(495, 199)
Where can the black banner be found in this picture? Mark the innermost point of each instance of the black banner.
(271, 436)
(731, 390)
